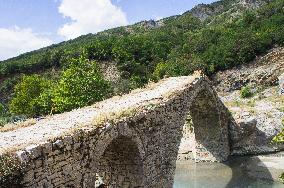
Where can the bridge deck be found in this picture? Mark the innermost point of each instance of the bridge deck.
(58, 125)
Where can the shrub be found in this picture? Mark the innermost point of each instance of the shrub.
(246, 92)
(280, 137)
(171, 68)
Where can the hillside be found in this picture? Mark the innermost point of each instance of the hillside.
(212, 38)
(258, 116)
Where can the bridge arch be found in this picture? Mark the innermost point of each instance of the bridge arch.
(118, 158)
(205, 129)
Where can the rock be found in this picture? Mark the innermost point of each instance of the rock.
(33, 151)
(243, 131)
(253, 135)
(263, 71)
(248, 126)
(281, 83)
(23, 156)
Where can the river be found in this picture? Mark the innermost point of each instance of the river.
(238, 172)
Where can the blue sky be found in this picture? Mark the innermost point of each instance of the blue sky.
(27, 25)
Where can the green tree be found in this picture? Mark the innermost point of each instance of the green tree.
(26, 95)
(80, 84)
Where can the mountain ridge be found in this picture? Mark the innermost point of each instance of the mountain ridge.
(195, 11)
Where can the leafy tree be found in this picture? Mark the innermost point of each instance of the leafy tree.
(26, 95)
(81, 84)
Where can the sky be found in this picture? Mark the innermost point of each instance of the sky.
(27, 25)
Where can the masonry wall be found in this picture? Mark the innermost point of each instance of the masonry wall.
(138, 151)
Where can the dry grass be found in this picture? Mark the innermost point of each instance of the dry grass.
(274, 99)
(240, 103)
(114, 117)
(14, 126)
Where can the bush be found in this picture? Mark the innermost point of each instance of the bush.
(246, 92)
(171, 68)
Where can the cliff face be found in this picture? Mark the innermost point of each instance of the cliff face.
(230, 7)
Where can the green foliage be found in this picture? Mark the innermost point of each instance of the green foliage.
(178, 46)
(26, 95)
(8, 84)
(281, 177)
(81, 84)
(246, 92)
(2, 109)
(170, 69)
(279, 138)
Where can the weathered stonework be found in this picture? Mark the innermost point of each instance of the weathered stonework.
(138, 150)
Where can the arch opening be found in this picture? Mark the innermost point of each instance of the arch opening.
(205, 132)
(120, 165)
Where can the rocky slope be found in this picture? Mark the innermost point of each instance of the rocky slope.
(229, 8)
(261, 73)
(259, 118)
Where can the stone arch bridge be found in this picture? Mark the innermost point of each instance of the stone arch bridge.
(127, 141)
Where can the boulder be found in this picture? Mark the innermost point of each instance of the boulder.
(243, 131)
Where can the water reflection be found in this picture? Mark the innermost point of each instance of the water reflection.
(240, 172)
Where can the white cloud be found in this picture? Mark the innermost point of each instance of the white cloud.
(15, 41)
(89, 16)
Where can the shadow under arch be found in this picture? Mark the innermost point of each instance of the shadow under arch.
(118, 158)
(121, 164)
(208, 124)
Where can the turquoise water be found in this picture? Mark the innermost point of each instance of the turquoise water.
(242, 172)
